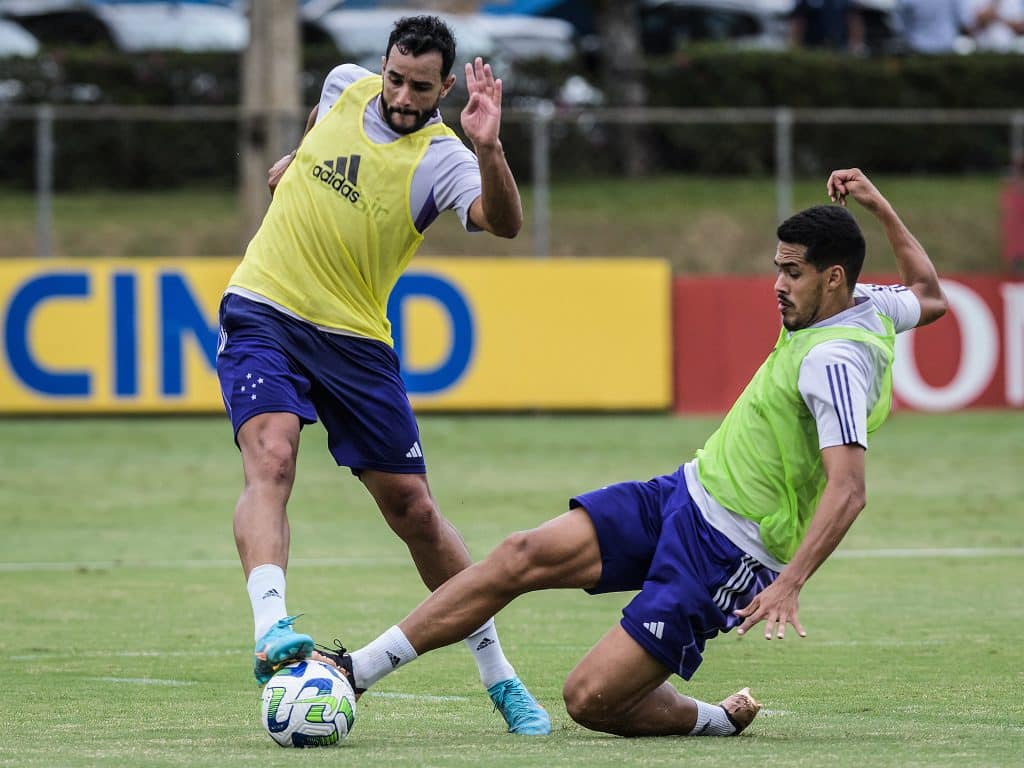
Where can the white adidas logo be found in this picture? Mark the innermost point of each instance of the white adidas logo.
(415, 452)
(656, 628)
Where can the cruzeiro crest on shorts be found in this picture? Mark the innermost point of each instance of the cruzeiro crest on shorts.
(341, 174)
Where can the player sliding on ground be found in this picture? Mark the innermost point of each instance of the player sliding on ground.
(731, 537)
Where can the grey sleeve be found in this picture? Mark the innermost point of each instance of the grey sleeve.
(897, 302)
(834, 383)
(337, 80)
(454, 177)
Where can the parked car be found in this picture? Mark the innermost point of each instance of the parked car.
(15, 41)
(361, 35)
(530, 38)
(133, 25)
(668, 25)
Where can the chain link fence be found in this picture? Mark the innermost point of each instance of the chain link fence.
(561, 144)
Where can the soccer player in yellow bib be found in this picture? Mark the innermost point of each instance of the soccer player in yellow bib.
(304, 331)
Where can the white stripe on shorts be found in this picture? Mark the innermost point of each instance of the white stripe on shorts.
(737, 583)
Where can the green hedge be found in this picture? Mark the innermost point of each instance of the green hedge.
(810, 80)
(139, 155)
(133, 154)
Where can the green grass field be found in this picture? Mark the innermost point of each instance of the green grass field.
(128, 632)
(699, 224)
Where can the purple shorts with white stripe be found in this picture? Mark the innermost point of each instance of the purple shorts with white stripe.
(691, 577)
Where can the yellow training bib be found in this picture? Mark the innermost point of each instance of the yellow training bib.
(339, 232)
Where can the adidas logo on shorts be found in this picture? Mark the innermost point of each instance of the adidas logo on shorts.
(415, 452)
(656, 628)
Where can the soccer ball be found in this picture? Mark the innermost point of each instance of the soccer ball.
(308, 704)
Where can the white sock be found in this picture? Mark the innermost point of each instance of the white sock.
(711, 721)
(266, 592)
(490, 660)
(381, 657)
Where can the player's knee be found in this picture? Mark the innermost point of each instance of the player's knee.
(273, 462)
(519, 560)
(586, 705)
(414, 515)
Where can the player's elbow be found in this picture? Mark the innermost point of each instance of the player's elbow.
(940, 305)
(934, 305)
(858, 500)
(854, 496)
(508, 229)
(847, 494)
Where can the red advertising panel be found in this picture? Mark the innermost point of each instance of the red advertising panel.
(724, 328)
(972, 357)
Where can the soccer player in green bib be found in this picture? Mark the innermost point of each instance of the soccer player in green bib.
(729, 539)
(304, 332)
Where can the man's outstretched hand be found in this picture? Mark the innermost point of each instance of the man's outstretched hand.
(777, 605)
(481, 118)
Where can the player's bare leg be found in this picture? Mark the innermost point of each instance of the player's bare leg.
(439, 553)
(269, 443)
(620, 688)
(409, 507)
(560, 553)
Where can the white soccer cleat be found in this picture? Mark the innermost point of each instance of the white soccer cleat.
(741, 708)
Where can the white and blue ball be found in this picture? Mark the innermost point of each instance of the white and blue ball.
(308, 704)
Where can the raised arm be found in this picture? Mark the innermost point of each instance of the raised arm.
(916, 270)
(277, 169)
(499, 209)
(841, 501)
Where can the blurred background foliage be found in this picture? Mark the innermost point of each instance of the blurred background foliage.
(138, 155)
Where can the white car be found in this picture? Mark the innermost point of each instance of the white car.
(16, 42)
(530, 38)
(133, 26)
(362, 35)
(191, 27)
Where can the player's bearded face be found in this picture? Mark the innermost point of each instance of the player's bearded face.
(799, 288)
(405, 120)
(804, 311)
(412, 89)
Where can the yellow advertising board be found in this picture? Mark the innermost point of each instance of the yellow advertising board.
(471, 334)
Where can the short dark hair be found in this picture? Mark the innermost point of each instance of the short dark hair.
(832, 237)
(416, 35)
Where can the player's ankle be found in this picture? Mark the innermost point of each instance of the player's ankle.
(381, 657)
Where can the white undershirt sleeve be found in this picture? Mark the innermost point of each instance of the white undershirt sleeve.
(897, 302)
(337, 80)
(836, 386)
(457, 180)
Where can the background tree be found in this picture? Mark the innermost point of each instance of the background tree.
(622, 77)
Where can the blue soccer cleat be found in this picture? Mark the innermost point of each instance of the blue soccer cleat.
(278, 646)
(520, 710)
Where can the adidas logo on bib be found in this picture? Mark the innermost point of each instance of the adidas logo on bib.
(341, 175)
